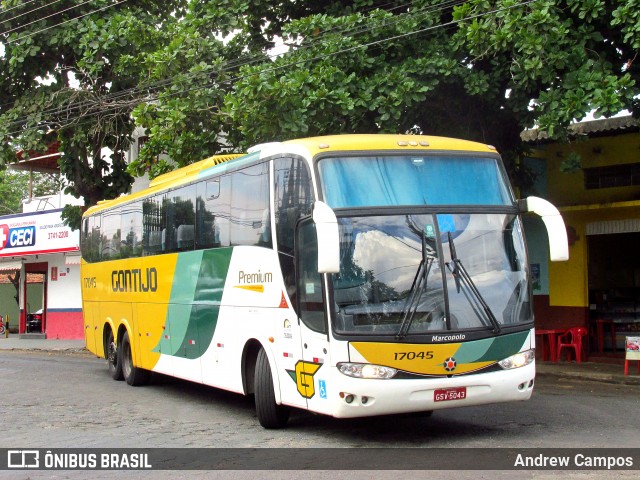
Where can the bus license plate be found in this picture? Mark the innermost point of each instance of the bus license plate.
(446, 394)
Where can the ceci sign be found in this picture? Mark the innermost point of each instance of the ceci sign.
(17, 237)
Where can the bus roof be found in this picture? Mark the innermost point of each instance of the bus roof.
(313, 145)
(317, 145)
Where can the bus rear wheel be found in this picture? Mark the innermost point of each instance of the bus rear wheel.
(133, 375)
(113, 358)
(270, 414)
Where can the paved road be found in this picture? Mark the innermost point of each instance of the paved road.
(57, 400)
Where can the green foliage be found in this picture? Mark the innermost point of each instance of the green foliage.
(571, 163)
(72, 216)
(14, 188)
(562, 59)
(65, 78)
(200, 77)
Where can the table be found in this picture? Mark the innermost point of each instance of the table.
(600, 323)
(551, 336)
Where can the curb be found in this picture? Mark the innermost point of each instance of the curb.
(593, 377)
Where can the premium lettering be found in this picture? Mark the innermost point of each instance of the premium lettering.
(135, 280)
(251, 278)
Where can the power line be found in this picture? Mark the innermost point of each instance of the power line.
(8, 42)
(290, 64)
(27, 13)
(346, 31)
(17, 6)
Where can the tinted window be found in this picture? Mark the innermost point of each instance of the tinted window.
(153, 224)
(111, 235)
(293, 194)
(213, 212)
(250, 219)
(311, 300)
(293, 198)
(413, 180)
(91, 239)
(180, 214)
(131, 245)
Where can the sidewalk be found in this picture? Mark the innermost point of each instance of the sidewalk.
(589, 371)
(15, 343)
(586, 371)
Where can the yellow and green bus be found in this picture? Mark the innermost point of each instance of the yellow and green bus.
(349, 275)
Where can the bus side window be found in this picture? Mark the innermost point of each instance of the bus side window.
(131, 230)
(213, 203)
(111, 235)
(152, 225)
(250, 216)
(91, 239)
(310, 295)
(293, 192)
(180, 214)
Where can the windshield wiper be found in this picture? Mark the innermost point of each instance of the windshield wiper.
(418, 287)
(465, 283)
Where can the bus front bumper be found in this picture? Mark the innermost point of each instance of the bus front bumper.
(352, 397)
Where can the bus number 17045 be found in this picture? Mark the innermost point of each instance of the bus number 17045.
(413, 355)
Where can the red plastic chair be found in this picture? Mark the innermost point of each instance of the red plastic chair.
(572, 338)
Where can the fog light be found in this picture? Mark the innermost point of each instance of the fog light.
(349, 398)
(365, 400)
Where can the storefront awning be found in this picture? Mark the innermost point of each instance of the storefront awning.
(10, 266)
(72, 260)
(631, 225)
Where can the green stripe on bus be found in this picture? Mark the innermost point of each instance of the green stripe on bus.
(505, 346)
(195, 302)
(491, 349)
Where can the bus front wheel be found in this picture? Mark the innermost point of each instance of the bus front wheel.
(133, 375)
(270, 414)
(113, 358)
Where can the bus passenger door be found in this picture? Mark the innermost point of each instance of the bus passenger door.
(311, 372)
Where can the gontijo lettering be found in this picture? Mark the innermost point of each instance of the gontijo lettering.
(17, 237)
(134, 280)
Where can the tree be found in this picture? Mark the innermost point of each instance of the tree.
(557, 60)
(67, 76)
(14, 187)
(481, 70)
(201, 79)
(192, 73)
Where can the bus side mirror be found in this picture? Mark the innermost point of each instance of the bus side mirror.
(558, 243)
(328, 238)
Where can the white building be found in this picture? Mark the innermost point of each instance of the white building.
(37, 244)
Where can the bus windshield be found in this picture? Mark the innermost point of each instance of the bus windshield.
(428, 271)
(406, 274)
(351, 182)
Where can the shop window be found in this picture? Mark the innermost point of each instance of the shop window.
(624, 175)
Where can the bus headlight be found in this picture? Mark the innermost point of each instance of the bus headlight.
(366, 370)
(518, 360)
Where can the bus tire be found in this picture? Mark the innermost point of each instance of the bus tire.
(133, 375)
(270, 414)
(113, 357)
